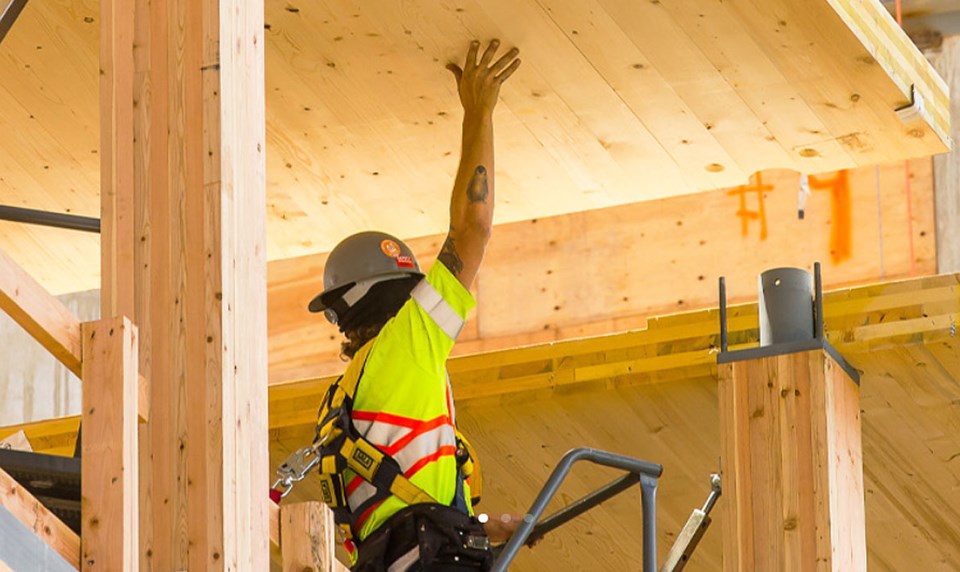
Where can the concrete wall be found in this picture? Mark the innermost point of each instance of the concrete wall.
(33, 385)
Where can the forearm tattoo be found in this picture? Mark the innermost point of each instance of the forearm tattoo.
(478, 188)
(449, 257)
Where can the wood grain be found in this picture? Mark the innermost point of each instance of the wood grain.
(307, 537)
(44, 317)
(798, 500)
(39, 519)
(110, 447)
(608, 270)
(947, 166)
(617, 102)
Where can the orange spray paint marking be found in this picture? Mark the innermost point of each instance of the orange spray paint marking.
(745, 214)
(841, 246)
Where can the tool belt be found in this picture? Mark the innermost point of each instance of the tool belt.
(429, 538)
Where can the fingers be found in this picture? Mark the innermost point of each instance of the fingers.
(472, 55)
(509, 71)
(488, 53)
(456, 71)
(504, 61)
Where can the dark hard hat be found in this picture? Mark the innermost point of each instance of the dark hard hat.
(363, 259)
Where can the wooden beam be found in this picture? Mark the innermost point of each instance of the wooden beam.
(890, 46)
(792, 465)
(40, 314)
(946, 174)
(307, 538)
(109, 500)
(184, 209)
(28, 510)
(672, 347)
(694, 239)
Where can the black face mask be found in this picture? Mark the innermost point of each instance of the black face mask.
(381, 303)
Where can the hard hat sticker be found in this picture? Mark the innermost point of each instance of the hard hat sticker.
(390, 248)
(405, 262)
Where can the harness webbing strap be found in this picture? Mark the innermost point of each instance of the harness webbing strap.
(439, 310)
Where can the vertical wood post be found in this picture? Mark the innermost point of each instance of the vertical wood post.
(946, 167)
(307, 538)
(792, 465)
(109, 502)
(183, 212)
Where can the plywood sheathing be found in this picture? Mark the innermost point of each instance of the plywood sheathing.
(617, 102)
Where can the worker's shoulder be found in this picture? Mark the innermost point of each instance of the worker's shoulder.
(441, 279)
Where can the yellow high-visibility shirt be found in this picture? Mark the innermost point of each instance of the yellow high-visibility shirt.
(404, 404)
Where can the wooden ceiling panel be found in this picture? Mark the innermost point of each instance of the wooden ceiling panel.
(617, 102)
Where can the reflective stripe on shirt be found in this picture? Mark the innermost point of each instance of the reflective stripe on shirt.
(413, 444)
(439, 310)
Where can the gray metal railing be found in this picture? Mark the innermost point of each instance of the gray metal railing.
(643, 472)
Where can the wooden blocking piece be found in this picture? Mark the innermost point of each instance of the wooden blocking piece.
(18, 441)
(40, 314)
(16, 501)
(109, 501)
(792, 465)
(306, 537)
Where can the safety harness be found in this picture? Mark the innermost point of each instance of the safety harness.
(340, 446)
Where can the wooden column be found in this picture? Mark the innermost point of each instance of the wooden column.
(946, 167)
(307, 538)
(183, 214)
(792, 465)
(109, 501)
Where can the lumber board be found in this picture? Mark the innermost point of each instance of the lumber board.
(110, 447)
(21, 549)
(790, 436)
(307, 538)
(185, 255)
(44, 317)
(946, 175)
(37, 519)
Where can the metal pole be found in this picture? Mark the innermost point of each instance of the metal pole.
(45, 218)
(648, 498)
(644, 468)
(723, 314)
(818, 302)
(9, 15)
(576, 508)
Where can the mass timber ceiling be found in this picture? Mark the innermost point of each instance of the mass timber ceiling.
(618, 101)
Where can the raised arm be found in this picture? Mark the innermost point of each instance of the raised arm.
(471, 205)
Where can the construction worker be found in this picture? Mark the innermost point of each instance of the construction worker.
(395, 470)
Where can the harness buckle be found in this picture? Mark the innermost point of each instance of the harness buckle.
(296, 467)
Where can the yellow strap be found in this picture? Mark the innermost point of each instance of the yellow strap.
(329, 492)
(328, 464)
(408, 492)
(350, 379)
(362, 457)
(471, 469)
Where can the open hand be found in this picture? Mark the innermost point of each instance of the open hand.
(479, 82)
